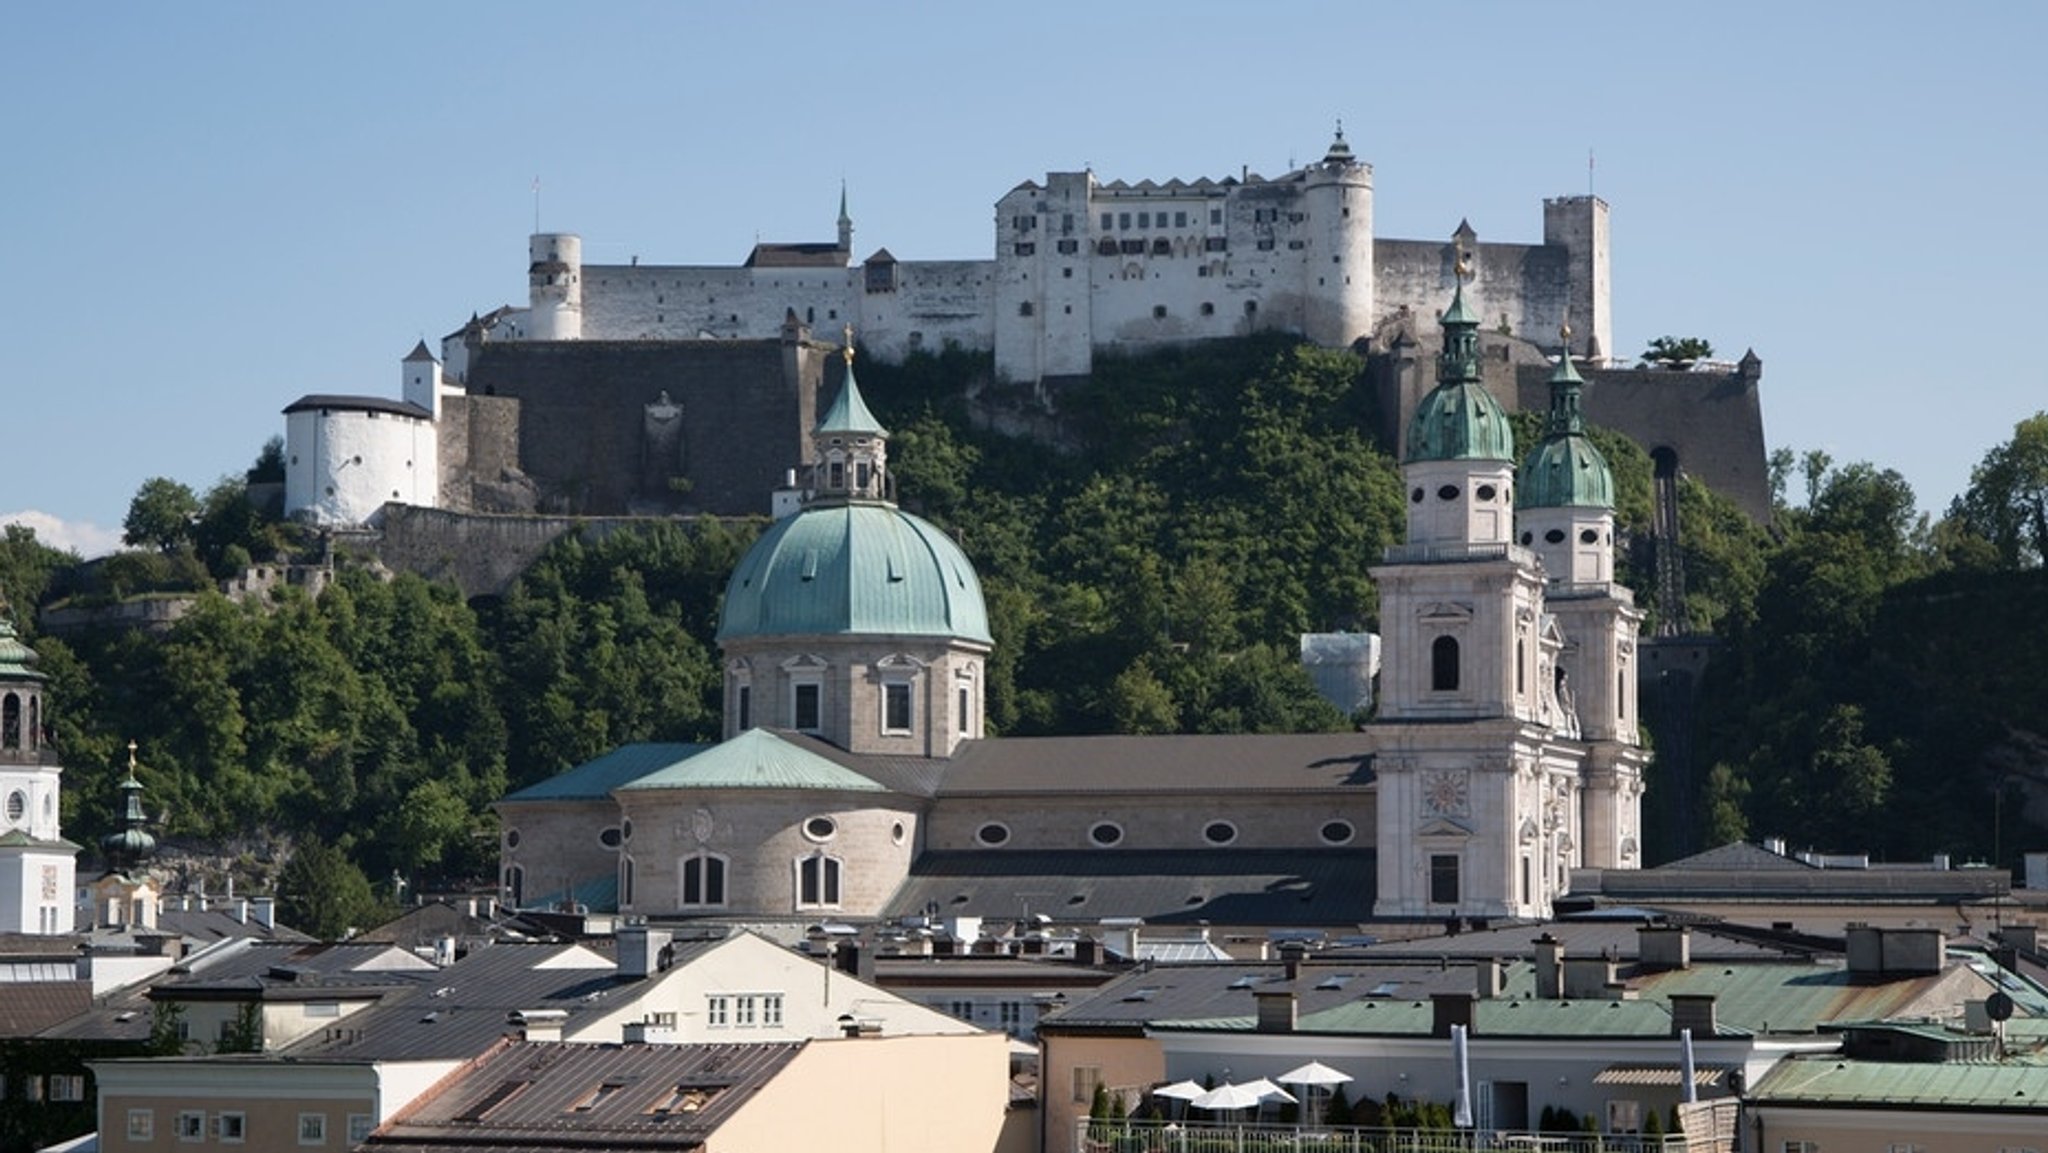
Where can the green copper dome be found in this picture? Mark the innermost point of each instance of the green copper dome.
(17, 660)
(1566, 470)
(1459, 419)
(854, 569)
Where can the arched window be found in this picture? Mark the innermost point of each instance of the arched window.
(35, 722)
(625, 882)
(1443, 664)
(817, 881)
(703, 880)
(10, 722)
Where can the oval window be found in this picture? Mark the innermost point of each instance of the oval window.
(1447, 492)
(1486, 492)
(1337, 832)
(17, 804)
(1588, 536)
(896, 832)
(820, 828)
(626, 828)
(511, 838)
(992, 833)
(1554, 536)
(1527, 537)
(1219, 832)
(1106, 833)
(1416, 496)
(610, 839)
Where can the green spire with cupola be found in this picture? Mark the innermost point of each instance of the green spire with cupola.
(132, 845)
(1566, 470)
(851, 446)
(1460, 419)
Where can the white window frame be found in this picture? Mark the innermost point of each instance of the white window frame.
(771, 1010)
(743, 1014)
(360, 1126)
(717, 1011)
(312, 1128)
(703, 881)
(831, 872)
(191, 1125)
(67, 1086)
(231, 1127)
(141, 1124)
(907, 691)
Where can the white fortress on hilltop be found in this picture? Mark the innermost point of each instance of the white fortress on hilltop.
(1081, 266)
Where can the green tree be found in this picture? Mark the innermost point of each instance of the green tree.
(160, 516)
(2007, 501)
(324, 894)
(243, 1033)
(1677, 351)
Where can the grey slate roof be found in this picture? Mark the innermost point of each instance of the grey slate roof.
(589, 1097)
(1581, 939)
(1225, 994)
(1164, 886)
(359, 404)
(1279, 762)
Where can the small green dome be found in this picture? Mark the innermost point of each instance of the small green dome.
(854, 569)
(1460, 421)
(1565, 472)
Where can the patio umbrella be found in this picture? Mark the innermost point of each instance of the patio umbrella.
(1688, 1089)
(1268, 1091)
(1227, 1098)
(1461, 1112)
(1312, 1076)
(1181, 1091)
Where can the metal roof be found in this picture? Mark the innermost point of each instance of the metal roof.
(1224, 995)
(1186, 765)
(2012, 1086)
(855, 568)
(595, 780)
(358, 404)
(1164, 886)
(572, 1096)
(755, 759)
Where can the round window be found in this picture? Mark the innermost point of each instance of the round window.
(992, 833)
(820, 828)
(1554, 536)
(610, 838)
(1588, 536)
(1416, 496)
(511, 838)
(1486, 492)
(1447, 492)
(1528, 537)
(896, 832)
(1337, 832)
(1106, 833)
(1219, 832)
(626, 828)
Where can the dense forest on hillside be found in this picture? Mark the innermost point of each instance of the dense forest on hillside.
(1876, 685)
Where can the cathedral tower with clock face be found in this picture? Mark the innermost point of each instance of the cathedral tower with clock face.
(1479, 754)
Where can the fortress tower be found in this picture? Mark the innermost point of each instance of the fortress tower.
(1578, 225)
(38, 867)
(555, 283)
(1337, 277)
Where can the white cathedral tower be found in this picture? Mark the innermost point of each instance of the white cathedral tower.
(38, 867)
(1488, 791)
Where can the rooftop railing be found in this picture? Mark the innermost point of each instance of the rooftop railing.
(1134, 1136)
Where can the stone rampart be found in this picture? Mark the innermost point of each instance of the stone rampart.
(480, 554)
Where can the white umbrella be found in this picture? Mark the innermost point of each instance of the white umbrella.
(1228, 1097)
(1461, 1112)
(1268, 1091)
(1180, 1090)
(1688, 1089)
(1312, 1075)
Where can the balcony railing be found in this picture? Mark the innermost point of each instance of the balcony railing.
(1456, 553)
(1224, 1137)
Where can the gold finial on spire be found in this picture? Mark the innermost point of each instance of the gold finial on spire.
(1464, 267)
(1564, 333)
(848, 351)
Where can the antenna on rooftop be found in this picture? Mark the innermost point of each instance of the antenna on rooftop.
(536, 203)
(1589, 171)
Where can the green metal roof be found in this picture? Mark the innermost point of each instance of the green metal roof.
(857, 568)
(1566, 470)
(595, 780)
(1459, 419)
(849, 413)
(756, 759)
(1794, 998)
(17, 660)
(1994, 1086)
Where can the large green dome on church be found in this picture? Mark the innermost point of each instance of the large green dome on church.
(855, 568)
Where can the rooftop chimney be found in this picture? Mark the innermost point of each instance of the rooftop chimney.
(539, 1024)
(1663, 947)
(641, 950)
(1291, 953)
(648, 1033)
(1492, 978)
(1549, 955)
(1693, 1011)
(264, 910)
(1276, 1010)
(1588, 978)
(1449, 1009)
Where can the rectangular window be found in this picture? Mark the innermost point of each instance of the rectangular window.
(717, 1012)
(1443, 878)
(323, 1008)
(231, 1128)
(962, 1009)
(1215, 216)
(1086, 1077)
(192, 1125)
(1180, 220)
(1123, 220)
(1026, 248)
(1011, 1014)
(67, 1087)
(743, 1012)
(1069, 248)
(1624, 1116)
(312, 1128)
(360, 1126)
(806, 715)
(771, 1010)
(704, 880)
(1216, 244)
(1144, 220)
(964, 721)
(746, 708)
(1107, 222)
(1525, 880)
(141, 1124)
(896, 708)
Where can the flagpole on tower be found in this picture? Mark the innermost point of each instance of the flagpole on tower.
(1589, 172)
(536, 205)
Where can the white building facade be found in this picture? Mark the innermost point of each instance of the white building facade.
(38, 867)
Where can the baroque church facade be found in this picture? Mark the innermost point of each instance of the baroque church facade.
(855, 780)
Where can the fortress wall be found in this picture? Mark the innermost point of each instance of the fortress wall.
(481, 555)
(1524, 284)
(582, 435)
(1713, 421)
(684, 302)
(935, 301)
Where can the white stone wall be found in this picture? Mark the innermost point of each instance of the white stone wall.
(1039, 821)
(1571, 557)
(1492, 609)
(343, 464)
(851, 674)
(36, 891)
(1479, 507)
(559, 845)
(555, 281)
(763, 834)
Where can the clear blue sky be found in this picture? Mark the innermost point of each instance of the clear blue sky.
(215, 209)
